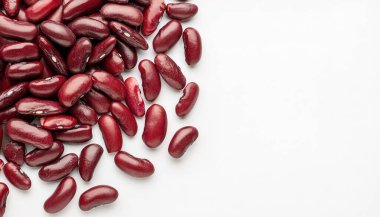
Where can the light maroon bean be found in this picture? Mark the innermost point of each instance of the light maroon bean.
(89, 158)
(11, 7)
(128, 54)
(181, 11)
(62, 195)
(109, 85)
(79, 55)
(123, 13)
(136, 167)
(152, 16)
(102, 49)
(88, 27)
(133, 97)
(38, 157)
(52, 56)
(41, 9)
(124, 117)
(128, 35)
(155, 126)
(4, 191)
(14, 152)
(151, 81)
(167, 37)
(84, 113)
(181, 141)
(96, 196)
(111, 133)
(170, 71)
(73, 89)
(17, 29)
(113, 63)
(79, 134)
(11, 95)
(99, 102)
(47, 71)
(59, 168)
(24, 70)
(19, 51)
(46, 87)
(188, 99)
(193, 45)
(38, 107)
(16, 176)
(79, 7)
(58, 122)
(58, 33)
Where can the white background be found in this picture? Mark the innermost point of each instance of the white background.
(288, 114)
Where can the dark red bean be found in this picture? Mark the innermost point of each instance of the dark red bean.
(123, 13)
(16, 176)
(46, 87)
(88, 159)
(11, 95)
(96, 196)
(167, 37)
(62, 195)
(30, 2)
(52, 56)
(181, 140)
(84, 113)
(19, 51)
(73, 89)
(6, 41)
(97, 16)
(99, 102)
(57, 15)
(133, 97)
(128, 35)
(20, 131)
(39, 107)
(143, 2)
(151, 81)
(24, 70)
(11, 7)
(17, 29)
(188, 99)
(79, 134)
(128, 54)
(38, 157)
(120, 1)
(124, 117)
(59, 168)
(1, 161)
(4, 191)
(111, 133)
(109, 84)
(181, 11)
(136, 167)
(79, 55)
(21, 16)
(41, 9)
(193, 45)
(113, 63)
(8, 114)
(155, 126)
(170, 71)
(14, 152)
(102, 49)
(58, 122)
(152, 16)
(47, 71)
(88, 27)
(79, 7)
(58, 33)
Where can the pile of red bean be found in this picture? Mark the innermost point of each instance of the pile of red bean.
(61, 63)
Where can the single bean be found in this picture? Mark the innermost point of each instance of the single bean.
(24, 70)
(123, 13)
(46, 87)
(152, 16)
(167, 37)
(193, 46)
(108, 84)
(151, 81)
(88, 159)
(84, 113)
(99, 102)
(170, 71)
(111, 133)
(96, 196)
(79, 55)
(113, 63)
(11, 7)
(16, 176)
(52, 55)
(79, 7)
(124, 117)
(79, 134)
(58, 122)
(11, 95)
(17, 29)
(181, 141)
(19, 51)
(181, 11)
(4, 191)
(56, 15)
(38, 157)
(188, 99)
(102, 49)
(136, 167)
(41, 9)
(58, 33)
(89, 27)
(128, 54)
(133, 97)
(62, 195)
(59, 168)
(155, 126)
(128, 35)
(39, 107)
(14, 152)
(73, 89)
(97, 16)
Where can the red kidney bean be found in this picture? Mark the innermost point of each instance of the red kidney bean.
(11, 7)
(170, 71)
(62, 195)
(97, 16)
(96, 196)
(193, 45)
(128, 35)
(123, 13)
(155, 126)
(11, 95)
(181, 11)
(41, 9)
(102, 49)
(143, 2)
(46, 87)
(14, 152)
(38, 107)
(88, 27)
(21, 16)
(39, 157)
(24, 70)
(89, 158)
(19, 51)
(188, 99)
(79, 7)
(57, 15)
(8, 114)
(58, 122)
(16, 176)
(74, 88)
(151, 81)
(136, 167)
(99, 102)
(6, 41)
(84, 113)
(79, 134)
(124, 117)
(181, 140)
(167, 37)
(133, 97)
(52, 55)
(30, 2)
(111, 133)
(17, 29)
(152, 16)
(46, 72)
(58, 33)
(4, 191)
(108, 84)
(79, 55)
(128, 54)
(113, 63)
(59, 168)
(20, 131)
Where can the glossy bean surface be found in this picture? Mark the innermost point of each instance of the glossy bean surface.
(88, 159)
(19, 51)
(79, 55)
(152, 16)
(11, 95)
(167, 37)
(41, 9)
(181, 141)
(16, 176)
(111, 133)
(113, 63)
(84, 113)
(62, 195)
(46, 87)
(39, 107)
(88, 27)
(170, 71)
(79, 134)
(128, 54)
(52, 56)
(79, 7)
(128, 35)
(151, 81)
(24, 70)
(108, 84)
(193, 46)
(181, 11)
(155, 126)
(123, 13)
(58, 122)
(98, 101)
(38, 157)
(133, 97)
(74, 88)
(188, 99)
(102, 49)
(14, 152)
(17, 29)
(11, 7)
(59, 168)
(97, 196)
(136, 167)
(124, 117)
(4, 191)
(58, 33)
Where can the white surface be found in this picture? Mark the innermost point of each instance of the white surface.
(288, 114)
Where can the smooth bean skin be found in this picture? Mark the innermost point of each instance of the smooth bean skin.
(17, 29)
(188, 99)
(39, 107)
(46, 87)
(11, 95)
(155, 126)
(123, 13)
(21, 16)
(136, 167)
(113, 63)
(4, 191)
(41, 9)
(181, 11)
(79, 55)
(11, 7)
(24, 70)
(151, 81)
(133, 97)
(47, 71)
(16, 176)
(52, 56)
(167, 37)
(84, 113)
(62, 195)
(79, 7)
(97, 16)
(20, 131)
(193, 46)
(38, 157)
(181, 141)
(73, 89)
(58, 33)
(128, 54)
(89, 158)
(89, 27)
(19, 51)
(14, 152)
(102, 49)
(111, 133)
(58, 122)
(128, 35)
(143, 2)
(79, 134)
(59, 168)
(8, 114)
(109, 85)
(56, 15)
(124, 117)
(170, 71)
(99, 102)
(152, 16)
(97, 196)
